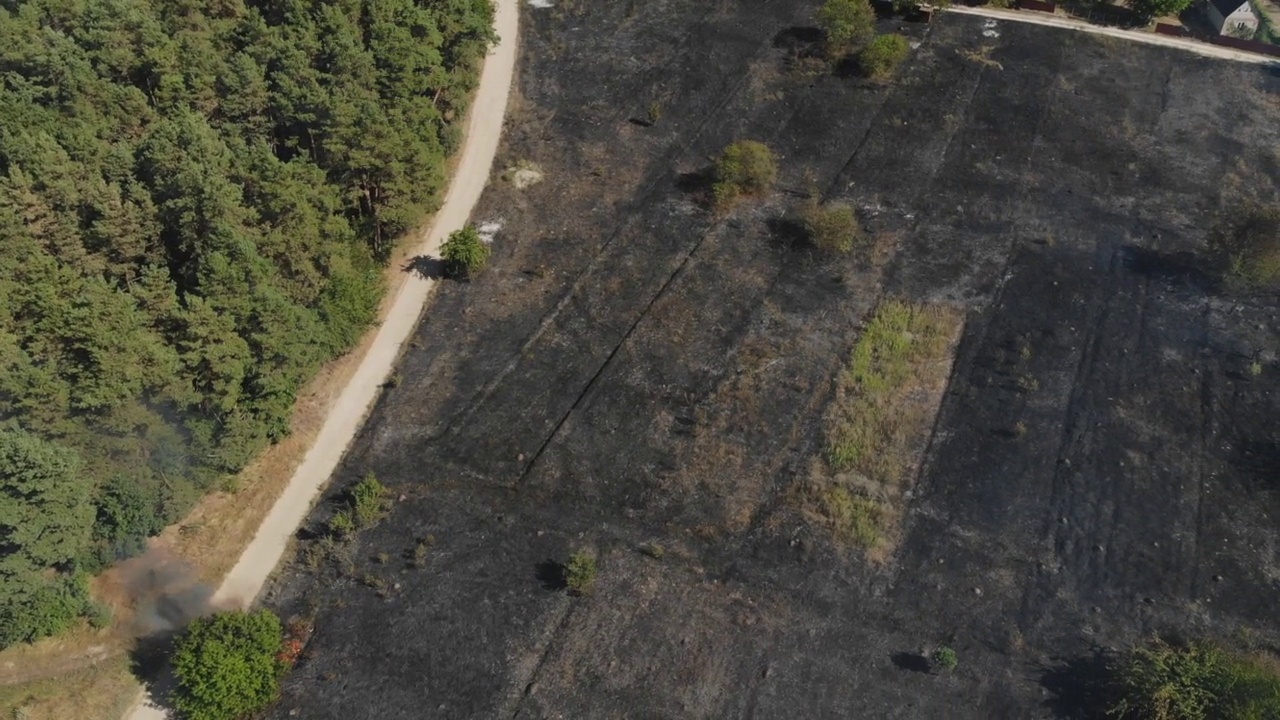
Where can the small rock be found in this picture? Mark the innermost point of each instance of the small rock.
(766, 672)
(1148, 601)
(1096, 609)
(977, 591)
(520, 458)
(403, 497)
(1097, 548)
(293, 712)
(1217, 578)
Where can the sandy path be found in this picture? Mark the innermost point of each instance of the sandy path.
(1195, 46)
(484, 128)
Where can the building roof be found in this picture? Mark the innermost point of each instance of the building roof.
(1226, 7)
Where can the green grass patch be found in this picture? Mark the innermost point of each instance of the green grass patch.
(885, 402)
(854, 518)
(900, 350)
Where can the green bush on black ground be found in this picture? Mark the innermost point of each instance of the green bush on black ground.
(361, 506)
(833, 227)
(228, 665)
(846, 24)
(368, 500)
(746, 167)
(1196, 681)
(580, 573)
(464, 253)
(882, 56)
(1245, 249)
(946, 658)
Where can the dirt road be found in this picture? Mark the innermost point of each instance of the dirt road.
(1195, 46)
(242, 585)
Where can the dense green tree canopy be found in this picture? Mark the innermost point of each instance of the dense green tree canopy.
(228, 665)
(194, 200)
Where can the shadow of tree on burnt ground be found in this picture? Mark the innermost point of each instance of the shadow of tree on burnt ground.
(1079, 688)
(1182, 268)
(911, 662)
(1259, 458)
(788, 233)
(552, 575)
(697, 185)
(800, 41)
(425, 267)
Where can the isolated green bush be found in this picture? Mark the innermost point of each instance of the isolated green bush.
(228, 665)
(881, 57)
(580, 573)
(945, 658)
(367, 500)
(833, 227)
(1197, 681)
(1245, 249)
(846, 23)
(746, 167)
(464, 253)
(342, 524)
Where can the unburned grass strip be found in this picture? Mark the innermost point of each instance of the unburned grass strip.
(885, 402)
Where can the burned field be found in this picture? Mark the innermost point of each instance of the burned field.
(650, 381)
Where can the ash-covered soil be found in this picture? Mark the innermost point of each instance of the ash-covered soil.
(635, 370)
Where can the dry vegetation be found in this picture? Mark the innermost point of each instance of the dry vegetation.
(108, 688)
(885, 403)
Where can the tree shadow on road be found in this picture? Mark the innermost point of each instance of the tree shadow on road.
(425, 267)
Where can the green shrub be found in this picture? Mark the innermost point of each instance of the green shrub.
(342, 524)
(39, 604)
(833, 228)
(1196, 681)
(227, 665)
(745, 168)
(1245, 250)
(464, 253)
(98, 614)
(367, 500)
(881, 57)
(655, 112)
(945, 658)
(580, 573)
(846, 23)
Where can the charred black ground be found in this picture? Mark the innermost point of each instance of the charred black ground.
(634, 371)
